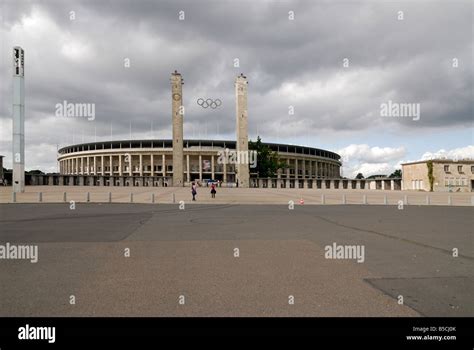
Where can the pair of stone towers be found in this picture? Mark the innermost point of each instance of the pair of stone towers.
(241, 113)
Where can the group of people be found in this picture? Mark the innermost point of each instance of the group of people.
(194, 190)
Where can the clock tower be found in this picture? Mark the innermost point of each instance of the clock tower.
(177, 118)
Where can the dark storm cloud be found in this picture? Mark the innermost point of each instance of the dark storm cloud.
(296, 63)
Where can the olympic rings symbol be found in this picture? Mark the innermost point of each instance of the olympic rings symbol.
(209, 103)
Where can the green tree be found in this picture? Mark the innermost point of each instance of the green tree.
(396, 173)
(429, 164)
(267, 161)
(359, 176)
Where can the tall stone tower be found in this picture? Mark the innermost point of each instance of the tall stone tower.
(18, 119)
(242, 129)
(177, 116)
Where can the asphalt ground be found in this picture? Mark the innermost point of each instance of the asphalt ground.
(184, 263)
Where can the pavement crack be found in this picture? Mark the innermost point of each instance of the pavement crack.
(442, 250)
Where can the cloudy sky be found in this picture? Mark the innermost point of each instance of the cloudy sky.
(334, 62)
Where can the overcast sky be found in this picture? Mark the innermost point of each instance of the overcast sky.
(76, 51)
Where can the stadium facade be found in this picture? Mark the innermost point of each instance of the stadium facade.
(178, 162)
(150, 163)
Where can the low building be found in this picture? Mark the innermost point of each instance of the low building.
(448, 175)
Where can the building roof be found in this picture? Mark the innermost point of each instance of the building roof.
(168, 143)
(439, 160)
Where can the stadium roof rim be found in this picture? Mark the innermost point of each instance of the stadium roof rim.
(223, 143)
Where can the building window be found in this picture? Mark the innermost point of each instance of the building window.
(460, 169)
(169, 168)
(446, 168)
(472, 169)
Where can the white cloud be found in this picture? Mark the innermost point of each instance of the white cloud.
(457, 153)
(368, 160)
(363, 153)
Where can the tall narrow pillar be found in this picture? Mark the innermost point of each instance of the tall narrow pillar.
(140, 164)
(152, 166)
(212, 168)
(18, 119)
(224, 169)
(163, 164)
(200, 167)
(177, 115)
(188, 173)
(241, 83)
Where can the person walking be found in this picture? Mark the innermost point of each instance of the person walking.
(193, 191)
(213, 190)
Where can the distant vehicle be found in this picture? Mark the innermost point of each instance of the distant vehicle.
(210, 182)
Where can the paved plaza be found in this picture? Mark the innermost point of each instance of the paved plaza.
(167, 195)
(184, 262)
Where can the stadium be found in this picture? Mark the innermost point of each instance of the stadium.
(178, 162)
(150, 163)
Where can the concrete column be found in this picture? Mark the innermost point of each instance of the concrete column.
(310, 169)
(383, 185)
(392, 185)
(358, 184)
(332, 184)
(177, 118)
(224, 166)
(87, 165)
(152, 165)
(18, 127)
(288, 168)
(120, 165)
(110, 166)
(323, 184)
(296, 169)
(61, 181)
(71, 180)
(95, 165)
(212, 167)
(81, 180)
(163, 164)
(243, 174)
(188, 174)
(102, 167)
(140, 163)
(200, 167)
(305, 183)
